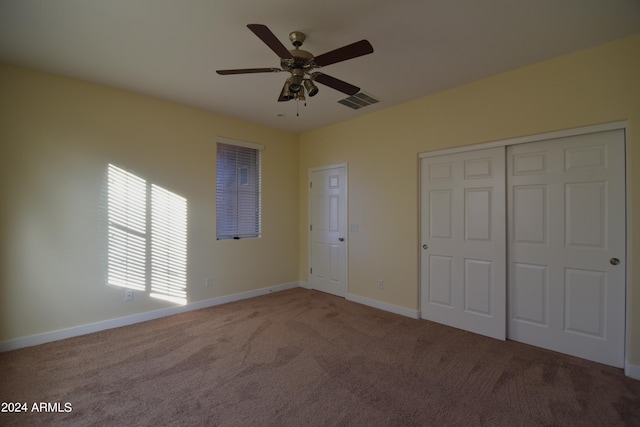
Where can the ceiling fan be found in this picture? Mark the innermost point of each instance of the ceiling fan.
(301, 64)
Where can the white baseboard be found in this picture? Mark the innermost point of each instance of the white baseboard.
(632, 371)
(305, 285)
(414, 314)
(376, 304)
(135, 318)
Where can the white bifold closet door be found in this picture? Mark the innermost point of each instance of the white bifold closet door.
(463, 264)
(566, 205)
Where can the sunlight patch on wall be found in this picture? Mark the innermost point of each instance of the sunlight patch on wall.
(147, 237)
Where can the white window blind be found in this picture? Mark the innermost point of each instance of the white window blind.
(238, 185)
(147, 237)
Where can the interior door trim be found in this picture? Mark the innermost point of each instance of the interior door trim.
(530, 138)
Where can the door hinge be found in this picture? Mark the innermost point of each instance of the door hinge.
(310, 227)
(311, 270)
(310, 184)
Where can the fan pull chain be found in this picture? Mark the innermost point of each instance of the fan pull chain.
(298, 107)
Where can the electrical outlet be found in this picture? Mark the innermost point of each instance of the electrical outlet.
(128, 295)
(208, 282)
(380, 284)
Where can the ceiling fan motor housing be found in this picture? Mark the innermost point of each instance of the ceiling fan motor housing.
(301, 59)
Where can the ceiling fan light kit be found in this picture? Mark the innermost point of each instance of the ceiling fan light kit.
(301, 64)
(312, 89)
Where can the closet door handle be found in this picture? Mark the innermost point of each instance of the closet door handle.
(425, 246)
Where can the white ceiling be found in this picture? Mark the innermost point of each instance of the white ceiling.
(170, 49)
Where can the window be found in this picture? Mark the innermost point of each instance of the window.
(147, 237)
(237, 190)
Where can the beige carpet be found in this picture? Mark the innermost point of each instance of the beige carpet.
(303, 358)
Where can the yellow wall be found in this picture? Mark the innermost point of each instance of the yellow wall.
(57, 137)
(594, 86)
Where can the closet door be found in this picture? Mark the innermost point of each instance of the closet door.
(566, 228)
(463, 265)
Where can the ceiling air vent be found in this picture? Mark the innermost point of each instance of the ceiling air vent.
(359, 100)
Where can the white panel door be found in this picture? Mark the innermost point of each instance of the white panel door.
(327, 230)
(463, 267)
(566, 250)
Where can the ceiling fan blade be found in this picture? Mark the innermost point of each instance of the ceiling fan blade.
(336, 84)
(353, 50)
(248, 71)
(270, 40)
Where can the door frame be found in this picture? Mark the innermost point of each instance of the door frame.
(629, 370)
(345, 210)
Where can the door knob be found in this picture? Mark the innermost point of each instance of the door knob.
(425, 246)
(341, 239)
(614, 261)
